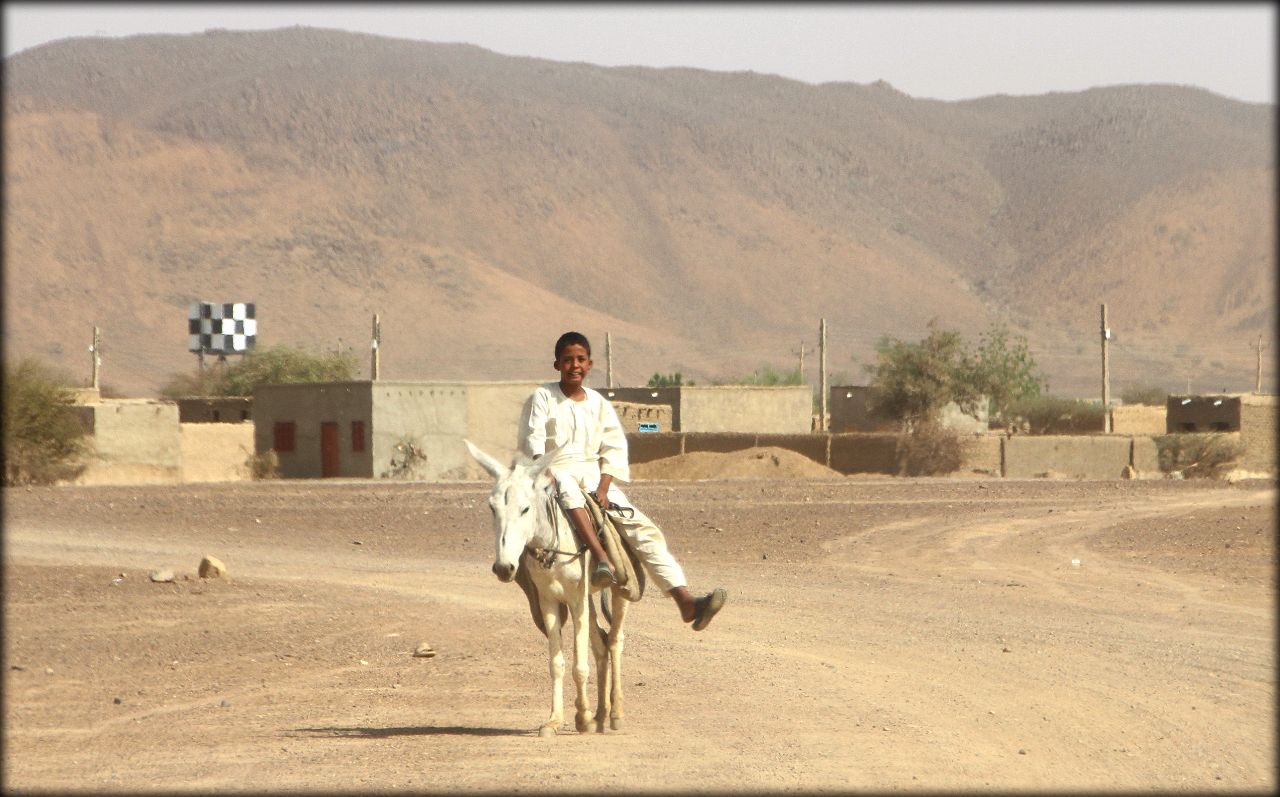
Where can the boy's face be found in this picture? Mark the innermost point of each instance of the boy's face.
(573, 364)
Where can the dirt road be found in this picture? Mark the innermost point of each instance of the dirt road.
(881, 634)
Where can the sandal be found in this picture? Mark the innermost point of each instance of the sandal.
(706, 607)
(602, 576)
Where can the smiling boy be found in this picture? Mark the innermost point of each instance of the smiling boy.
(568, 413)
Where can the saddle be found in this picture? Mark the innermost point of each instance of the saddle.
(628, 573)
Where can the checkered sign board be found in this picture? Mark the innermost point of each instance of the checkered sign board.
(221, 328)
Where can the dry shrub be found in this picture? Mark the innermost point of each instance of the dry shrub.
(930, 450)
(264, 466)
(44, 441)
(1208, 455)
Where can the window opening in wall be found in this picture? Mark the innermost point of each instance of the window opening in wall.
(1187, 426)
(1221, 426)
(357, 435)
(283, 434)
(216, 416)
(244, 415)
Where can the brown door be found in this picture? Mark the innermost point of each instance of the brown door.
(328, 449)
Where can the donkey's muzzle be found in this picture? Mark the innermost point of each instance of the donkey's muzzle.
(504, 572)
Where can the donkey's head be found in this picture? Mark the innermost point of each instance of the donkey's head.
(516, 504)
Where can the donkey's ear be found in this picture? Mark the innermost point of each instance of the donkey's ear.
(493, 466)
(539, 465)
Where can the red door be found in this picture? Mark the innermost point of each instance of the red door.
(328, 449)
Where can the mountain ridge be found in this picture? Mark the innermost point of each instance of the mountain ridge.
(481, 204)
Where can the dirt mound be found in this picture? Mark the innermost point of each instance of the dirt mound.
(767, 462)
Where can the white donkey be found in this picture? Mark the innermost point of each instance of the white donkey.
(536, 547)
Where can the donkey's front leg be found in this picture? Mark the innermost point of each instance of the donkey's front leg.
(599, 640)
(555, 649)
(581, 642)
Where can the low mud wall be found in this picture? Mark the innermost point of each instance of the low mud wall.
(216, 452)
(1018, 457)
(1069, 456)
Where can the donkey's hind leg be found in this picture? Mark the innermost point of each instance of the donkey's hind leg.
(616, 637)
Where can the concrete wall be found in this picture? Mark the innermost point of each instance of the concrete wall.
(1258, 431)
(1139, 419)
(223, 409)
(738, 408)
(632, 415)
(650, 446)
(430, 416)
(727, 408)
(216, 452)
(864, 452)
(1209, 413)
(493, 415)
(135, 441)
(983, 453)
(308, 406)
(1072, 456)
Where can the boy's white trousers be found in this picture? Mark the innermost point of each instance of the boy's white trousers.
(643, 534)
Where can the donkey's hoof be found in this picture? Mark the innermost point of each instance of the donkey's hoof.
(547, 731)
(583, 722)
(615, 723)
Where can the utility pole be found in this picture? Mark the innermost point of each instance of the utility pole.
(801, 360)
(822, 376)
(1257, 376)
(608, 358)
(96, 349)
(1106, 374)
(374, 345)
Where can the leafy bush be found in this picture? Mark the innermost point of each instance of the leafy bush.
(913, 381)
(930, 450)
(1053, 415)
(1207, 455)
(271, 366)
(1150, 395)
(43, 439)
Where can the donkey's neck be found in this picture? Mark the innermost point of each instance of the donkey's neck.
(549, 519)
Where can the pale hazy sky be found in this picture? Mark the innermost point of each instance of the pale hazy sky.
(949, 51)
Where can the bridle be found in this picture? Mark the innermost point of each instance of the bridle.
(547, 556)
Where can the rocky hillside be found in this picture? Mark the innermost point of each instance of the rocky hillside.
(482, 204)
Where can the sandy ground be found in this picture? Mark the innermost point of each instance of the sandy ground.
(882, 634)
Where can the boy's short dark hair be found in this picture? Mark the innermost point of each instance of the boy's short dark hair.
(569, 339)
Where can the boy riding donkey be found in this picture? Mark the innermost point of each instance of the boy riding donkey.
(571, 414)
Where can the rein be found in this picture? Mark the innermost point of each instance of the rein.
(547, 556)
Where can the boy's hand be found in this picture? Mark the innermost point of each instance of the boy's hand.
(602, 492)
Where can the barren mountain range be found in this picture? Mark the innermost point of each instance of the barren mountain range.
(481, 204)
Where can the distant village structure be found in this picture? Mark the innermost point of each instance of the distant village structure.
(402, 429)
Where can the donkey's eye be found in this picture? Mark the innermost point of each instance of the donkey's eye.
(523, 511)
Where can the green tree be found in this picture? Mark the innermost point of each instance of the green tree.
(912, 381)
(43, 438)
(666, 380)
(270, 366)
(1003, 370)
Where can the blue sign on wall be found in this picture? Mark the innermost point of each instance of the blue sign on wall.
(648, 427)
